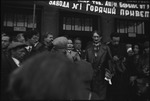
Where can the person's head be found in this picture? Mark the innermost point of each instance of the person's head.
(31, 37)
(115, 38)
(77, 43)
(46, 76)
(17, 50)
(96, 37)
(5, 41)
(60, 44)
(129, 49)
(48, 38)
(128, 45)
(70, 44)
(136, 48)
(146, 47)
(20, 38)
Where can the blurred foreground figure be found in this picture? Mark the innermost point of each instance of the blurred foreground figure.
(50, 76)
(78, 48)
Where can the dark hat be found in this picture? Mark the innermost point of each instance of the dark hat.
(16, 44)
(146, 44)
(60, 42)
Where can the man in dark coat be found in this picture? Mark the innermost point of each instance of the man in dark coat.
(51, 76)
(98, 55)
(32, 40)
(118, 90)
(78, 48)
(9, 64)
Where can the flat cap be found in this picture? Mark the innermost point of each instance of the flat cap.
(15, 45)
(60, 42)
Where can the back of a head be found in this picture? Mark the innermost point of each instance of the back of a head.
(45, 76)
(60, 42)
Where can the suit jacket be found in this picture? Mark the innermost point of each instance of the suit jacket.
(73, 56)
(81, 53)
(103, 54)
(100, 62)
(35, 50)
(7, 67)
(38, 48)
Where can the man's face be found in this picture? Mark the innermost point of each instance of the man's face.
(136, 49)
(115, 40)
(19, 53)
(49, 38)
(70, 44)
(77, 44)
(96, 37)
(34, 39)
(5, 41)
(21, 38)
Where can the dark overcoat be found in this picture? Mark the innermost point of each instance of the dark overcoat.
(99, 64)
(7, 67)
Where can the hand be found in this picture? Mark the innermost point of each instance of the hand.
(108, 74)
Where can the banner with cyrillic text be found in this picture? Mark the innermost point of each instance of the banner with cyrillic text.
(105, 7)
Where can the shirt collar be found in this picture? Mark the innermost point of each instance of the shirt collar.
(16, 61)
(36, 44)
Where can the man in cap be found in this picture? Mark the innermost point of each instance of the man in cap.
(50, 76)
(10, 63)
(60, 44)
(17, 51)
(118, 90)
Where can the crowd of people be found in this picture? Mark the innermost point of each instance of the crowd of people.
(38, 67)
